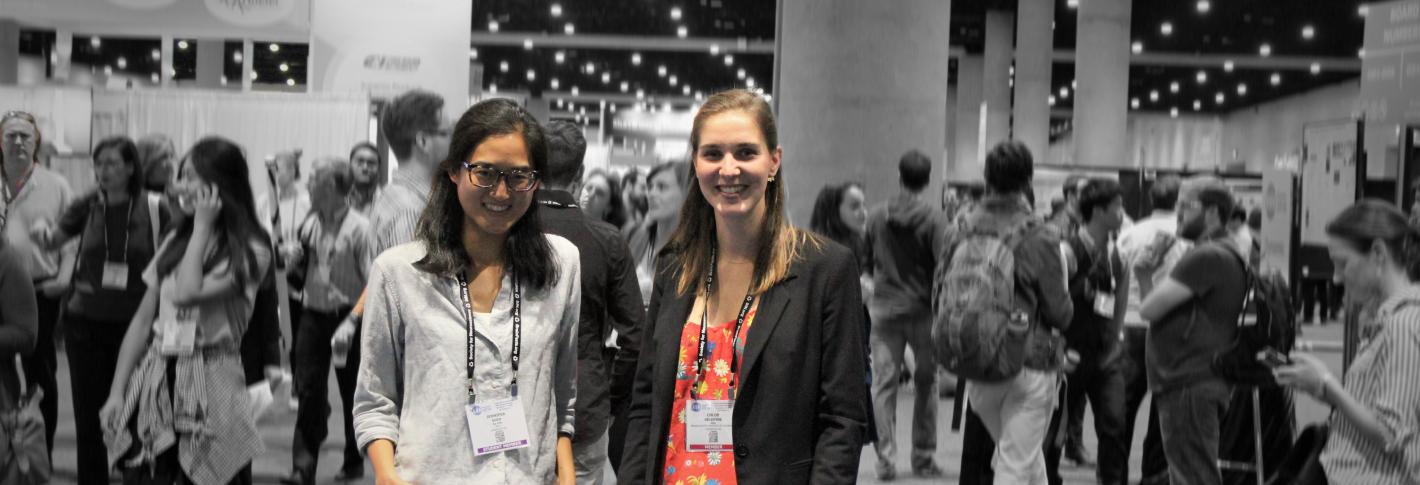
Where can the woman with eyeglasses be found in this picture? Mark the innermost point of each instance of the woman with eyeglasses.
(469, 363)
(752, 363)
(118, 226)
(177, 411)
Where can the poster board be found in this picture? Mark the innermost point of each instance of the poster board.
(1329, 175)
(1277, 201)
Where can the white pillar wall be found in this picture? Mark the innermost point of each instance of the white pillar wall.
(1102, 71)
(861, 84)
(968, 159)
(995, 77)
(210, 63)
(9, 51)
(1035, 41)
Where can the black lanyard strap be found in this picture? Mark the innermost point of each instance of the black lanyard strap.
(472, 342)
(700, 355)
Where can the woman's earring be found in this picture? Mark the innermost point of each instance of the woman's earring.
(771, 179)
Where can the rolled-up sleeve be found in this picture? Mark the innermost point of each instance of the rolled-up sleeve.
(379, 389)
(566, 372)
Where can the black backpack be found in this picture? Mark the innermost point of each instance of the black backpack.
(1266, 322)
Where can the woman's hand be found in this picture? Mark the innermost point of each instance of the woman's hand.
(1306, 372)
(108, 414)
(389, 479)
(207, 204)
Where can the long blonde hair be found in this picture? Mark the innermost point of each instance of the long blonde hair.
(693, 242)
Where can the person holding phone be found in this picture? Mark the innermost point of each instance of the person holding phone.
(1375, 424)
(468, 350)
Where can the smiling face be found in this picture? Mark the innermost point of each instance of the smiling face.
(494, 210)
(664, 196)
(733, 164)
(851, 210)
(187, 184)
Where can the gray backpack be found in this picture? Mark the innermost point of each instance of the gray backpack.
(979, 331)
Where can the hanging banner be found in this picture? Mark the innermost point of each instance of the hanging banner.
(1276, 236)
(1390, 68)
(272, 20)
(385, 48)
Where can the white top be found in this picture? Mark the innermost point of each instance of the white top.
(412, 382)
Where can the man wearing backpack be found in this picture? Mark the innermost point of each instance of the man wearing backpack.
(1193, 315)
(1099, 290)
(1000, 304)
(902, 240)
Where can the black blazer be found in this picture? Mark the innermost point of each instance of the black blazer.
(801, 412)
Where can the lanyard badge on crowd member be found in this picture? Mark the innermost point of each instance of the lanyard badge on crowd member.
(115, 273)
(495, 425)
(709, 422)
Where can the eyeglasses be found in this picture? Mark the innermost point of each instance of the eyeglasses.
(486, 176)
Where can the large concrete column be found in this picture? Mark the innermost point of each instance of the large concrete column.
(967, 164)
(860, 84)
(210, 63)
(165, 75)
(995, 76)
(247, 56)
(9, 51)
(1035, 39)
(1102, 71)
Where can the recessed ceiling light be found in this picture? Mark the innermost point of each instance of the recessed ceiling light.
(559, 57)
(503, 66)
(1173, 87)
(1064, 93)
(1242, 89)
(237, 56)
(284, 67)
(493, 88)
(556, 84)
(527, 44)
(1361, 53)
(640, 94)
(95, 42)
(674, 81)
(493, 27)
(290, 82)
(1136, 47)
(1204, 6)
(1166, 28)
(681, 32)
(625, 86)
(1265, 50)
(636, 58)
(157, 55)
(155, 80)
(1219, 98)
(1276, 79)
(575, 91)
(569, 29)
(740, 74)
(675, 13)
(1363, 10)
(699, 95)
(1228, 66)
(1202, 77)
(749, 83)
(1134, 103)
(556, 10)
(591, 68)
(729, 60)
(685, 90)
(108, 70)
(714, 49)
(1308, 32)
(1072, 3)
(274, 47)
(253, 75)
(1074, 84)
(122, 62)
(606, 77)
(611, 108)
(472, 54)
(661, 70)
(532, 75)
(182, 45)
(1316, 68)
(1154, 95)
(1197, 105)
(1050, 100)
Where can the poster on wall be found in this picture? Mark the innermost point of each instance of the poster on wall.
(282, 20)
(418, 44)
(1276, 237)
(1328, 175)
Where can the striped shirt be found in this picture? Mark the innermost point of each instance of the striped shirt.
(336, 264)
(397, 209)
(1383, 379)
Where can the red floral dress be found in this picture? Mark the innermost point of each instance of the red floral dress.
(702, 468)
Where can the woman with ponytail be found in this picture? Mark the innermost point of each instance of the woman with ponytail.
(1375, 424)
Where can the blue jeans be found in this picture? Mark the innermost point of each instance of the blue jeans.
(1190, 418)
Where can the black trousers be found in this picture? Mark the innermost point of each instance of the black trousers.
(92, 350)
(620, 397)
(1318, 291)
(41, 364)
(1104, 387)
(1154, 465)
(977, 449)
(311, 361)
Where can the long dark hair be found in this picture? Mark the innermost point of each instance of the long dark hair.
(615, 210)
(220, 162)
(128, 151)
(826, 220)
(1372, 220)
(527, 252)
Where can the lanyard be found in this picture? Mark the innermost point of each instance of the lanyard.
(127, 218)
(700, 355)
(557, 205)
(517, 332)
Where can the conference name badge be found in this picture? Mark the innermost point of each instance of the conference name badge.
(115, 276)
(497, 425)
(180, 333)
(709, 425)
(1104, 305)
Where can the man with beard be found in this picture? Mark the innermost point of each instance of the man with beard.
(1192, 314)
(365, 164)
